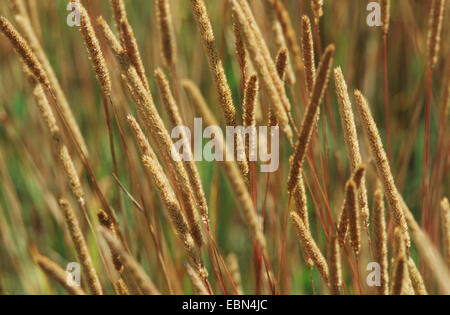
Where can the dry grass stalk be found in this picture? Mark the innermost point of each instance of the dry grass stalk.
(60, 149)
(219, 78)
(289, 34)
(168, 197)
(280, 40)
(308, 53)
(250, 22)
(128, 39)
(176, 120)
(353, 215)
(80, 247)
(343, 223)
(144, 283)
(434, 30)
(237, 183)
(445, 219)
(381, 163)
(54, 271)
(317, 10)
(249, 111)
(119, 11)
(282, 62)
(301, 208)
(233, 267)
(94, 50)
(400, 278)
(416, 278)
(240, 48)
(197, 282)
(167, 35)
(131, 47)
(385, 15)
(113, 42)
(311, 116)
(264, 75)
(311, 247)
(334, 261)
(380, 240)
(351, 138)
(24, 51)
(155, 126)
(106, 222)
(33, 41)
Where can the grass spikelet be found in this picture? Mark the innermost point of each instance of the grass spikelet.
(237, 183)
(317, 10)
(334, 261)
(197, 283)
(54, 271)
(62, 154)
(308, 53)
(250, 22)
(121, 287)
(445, 219)
(264, 74)
(233, 267)
(240, 48)
(167, 36)
(310, 246)
(62, 102)
(144, 283)
(25, 53)
(380, 240)
(289, 34)
(280, 40)
(106, 222)
(130, 45)
(176, 120)
(282, 62)
(154, 124)
(94, 50)
(400, 276)
(416, 278)
(353, 215)
(80, 246)
(218, 74)
(167, 195)
(385, 15)
(249, 110)
(381, 162)
(434, 30)
(351, 138)
(215, 64)
(311, 116)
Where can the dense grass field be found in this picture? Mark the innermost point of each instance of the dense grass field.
(87, 174)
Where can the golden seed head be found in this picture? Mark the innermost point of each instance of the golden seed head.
(25, 53)
(167, 36)
(282, 62)
(308, 53)
(94, 50)
(308, 244)
(311, 116)
(317, 9)
(385, 15)
(434, 30)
